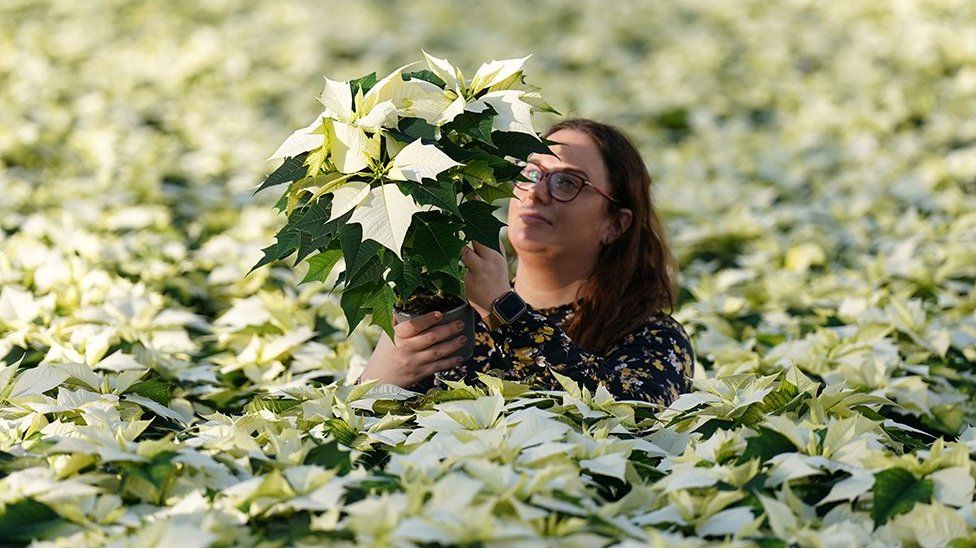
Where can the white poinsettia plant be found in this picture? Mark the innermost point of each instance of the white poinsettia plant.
(396, 175)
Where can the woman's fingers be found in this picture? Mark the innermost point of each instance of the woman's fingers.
(413, 326)
(484, 252)
(441, 350)
(469, 257)
(430, 337)
(441, 365)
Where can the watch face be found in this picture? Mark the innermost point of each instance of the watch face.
(509, 306)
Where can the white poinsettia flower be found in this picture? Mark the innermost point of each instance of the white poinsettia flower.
(451, 75)
(347, 146)
(351, 117)
(348, 197)
(514, 114)
(384, 212)
(384, 97)
(393, 91)
(418, 161)
(495, 72)
(436, 106)
(302, 140)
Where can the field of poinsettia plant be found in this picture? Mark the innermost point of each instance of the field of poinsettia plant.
(815, 164)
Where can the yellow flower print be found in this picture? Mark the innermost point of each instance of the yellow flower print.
(543, 335)
(525, 355)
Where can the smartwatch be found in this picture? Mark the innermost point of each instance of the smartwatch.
(504, 310)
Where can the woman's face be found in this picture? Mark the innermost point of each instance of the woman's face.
(538, 224)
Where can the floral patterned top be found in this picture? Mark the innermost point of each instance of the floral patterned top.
(653, 363)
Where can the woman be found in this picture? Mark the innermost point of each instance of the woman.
(594, 272)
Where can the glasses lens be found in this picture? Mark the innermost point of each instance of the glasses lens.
(564, 186)
(529, 176)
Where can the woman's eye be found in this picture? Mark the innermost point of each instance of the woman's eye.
(566, 181)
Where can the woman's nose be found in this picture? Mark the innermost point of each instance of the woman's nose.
(539, 191)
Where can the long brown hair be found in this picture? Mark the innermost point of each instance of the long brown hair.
(634, 277)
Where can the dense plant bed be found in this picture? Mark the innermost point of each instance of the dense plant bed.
(820, 202)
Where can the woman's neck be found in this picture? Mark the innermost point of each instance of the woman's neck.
(545, 282)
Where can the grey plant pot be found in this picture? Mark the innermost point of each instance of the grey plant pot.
(465, 313)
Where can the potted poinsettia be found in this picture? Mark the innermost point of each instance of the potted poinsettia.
(395, 176)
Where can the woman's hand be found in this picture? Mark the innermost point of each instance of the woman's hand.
(419, 352)
(487, 276)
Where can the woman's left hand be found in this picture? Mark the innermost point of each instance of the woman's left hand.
(487, 276)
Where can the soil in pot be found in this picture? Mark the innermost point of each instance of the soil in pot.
(421, 304)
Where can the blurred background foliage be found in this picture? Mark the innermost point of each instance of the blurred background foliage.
(815, 164)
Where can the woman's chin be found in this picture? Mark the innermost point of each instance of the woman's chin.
(529, 239)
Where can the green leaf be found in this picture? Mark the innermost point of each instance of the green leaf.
(353, 303)
(416, 128)
(781, 398)
(708, 428)
(364, 83)
(448, 283)
(381, 305)
(424, 75)
(479, 171)
(311, 219)
(491, 193)
(896, 491)
(307, 230)
(438, 244)
(439, 193)
(370, 274)
(769, 443)
(437, 396)
(753, 414)
(28, 520)
(292, 169)
(274, 405)
(342, 431)
(154, 389)
(329, 455)
(288, 240)
(481, 224)
(320, 236)
(405, 276)
(309, 243)
(910, 440)
(474, 124)
(356, 251)
(320, 265)
(520, 145)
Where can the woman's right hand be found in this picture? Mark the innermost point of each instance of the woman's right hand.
(419, 352)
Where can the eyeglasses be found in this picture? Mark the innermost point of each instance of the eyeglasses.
(562, 185)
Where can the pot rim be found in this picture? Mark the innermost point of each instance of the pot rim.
(458, 308)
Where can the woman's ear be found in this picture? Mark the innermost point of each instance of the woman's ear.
(619, 224)
(625, 218)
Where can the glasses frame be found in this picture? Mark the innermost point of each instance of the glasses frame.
(544, 178)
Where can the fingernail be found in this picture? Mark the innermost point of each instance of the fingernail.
(459, 324)
(438, 316)
(462, 339)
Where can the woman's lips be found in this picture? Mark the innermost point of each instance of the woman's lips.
(533, 219)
